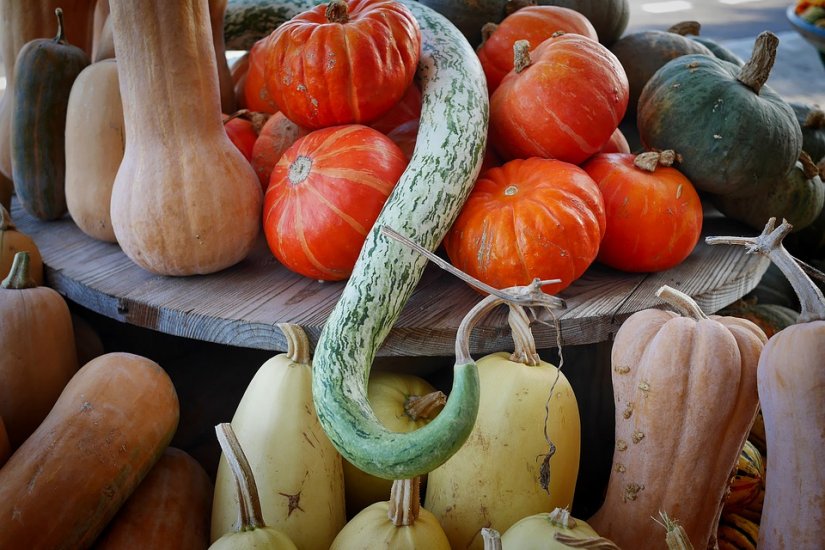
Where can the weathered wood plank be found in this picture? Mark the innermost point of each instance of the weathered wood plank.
(241, 306)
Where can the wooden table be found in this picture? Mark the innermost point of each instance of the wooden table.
(241, 305)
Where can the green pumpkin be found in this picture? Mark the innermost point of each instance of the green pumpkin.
(645, 52)
(797, 198)
(609, 17)
(812, 122)
(736, 136)
(469, 15)
(719, 50)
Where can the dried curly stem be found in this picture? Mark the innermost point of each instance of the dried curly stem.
(425, 406)
(405, 501)
(525, 344)
(249, 502)
(756, 71)
(769, 244)
(681, 302)
(298, 349)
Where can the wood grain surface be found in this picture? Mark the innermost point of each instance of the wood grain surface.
(242, 305)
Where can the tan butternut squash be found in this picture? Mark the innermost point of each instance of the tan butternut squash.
(685, 397)
(38, 357)
(169, 510)
(791, 382)
(185, 201)
(217, 9)
(95, 142)
(104, 46)
(101, 14)
(23, 21)
(110, 425)
(13, 241)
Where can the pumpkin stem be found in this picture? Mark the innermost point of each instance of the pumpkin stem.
(521, 55)
(769, 244)
(525, 344)
(60, 37)
(6, 223)
(491, 538)
(512, 6)
(594, 543)
(676, 537)
(257, 119)
(487, 31)
(684, 28)
(815, 119)
(756, 71)
(337, 12)
(809, 168)
(681, 302)
(249, 502)
(425, 406)
(650, 160)
(19, 277)
(297, 343)
(405, 501)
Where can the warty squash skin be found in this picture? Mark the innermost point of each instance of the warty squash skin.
(110, 425)
(39, 356)
(169, 510)
(298, 471)
(26, 20)
(792, 397)
(685, 397)
(185, 201)
(95, 141)
(44, 73)
(13, 241)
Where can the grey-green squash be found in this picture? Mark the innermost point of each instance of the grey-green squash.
(811, 120)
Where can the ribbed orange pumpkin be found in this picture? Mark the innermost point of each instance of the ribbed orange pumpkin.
(529, 218)
(276, 136)
(532, 23)
(342, 62)
(407, 109)
(563, 100)
(324, 196)
(255, 92)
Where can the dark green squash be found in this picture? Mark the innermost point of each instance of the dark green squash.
(691, 29)
(469, 15)
(736, 135)
(797, 198)
(645, 52)
(609, 17)
(44, 73)
(811, 120)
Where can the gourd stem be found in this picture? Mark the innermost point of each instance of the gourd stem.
(487, 31)
(681, 302)
(769, 244)
(685, 28)
(815, 119)
(60, 37)
(337, 11)
(6, 222)
(676, 538)
(521, 55)
(525, 344)
(251, 516)
(425, 407)
(491, 538)
(405, 501)
(256, 119)
(809, 168)
(298, 348)
(650, 160)
(756, 71)
(19, 277)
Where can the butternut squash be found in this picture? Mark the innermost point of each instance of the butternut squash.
(95, 142)
(685, 397)
(792, 395)
(217, 9)
(38, 357)
(185, 201)
(13, 241)
(169, 510)
(110, 425)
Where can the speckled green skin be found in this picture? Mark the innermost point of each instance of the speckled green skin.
(732, 140)
(425, 202)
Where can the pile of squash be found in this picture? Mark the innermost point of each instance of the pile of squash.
(526, 184)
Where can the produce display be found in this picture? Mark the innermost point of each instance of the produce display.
(353, 143)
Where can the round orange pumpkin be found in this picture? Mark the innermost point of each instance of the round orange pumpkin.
(654, 215)
(406, 110)
(255, 91)
(616, 144)
(325, 194)
(534, 24)
(526, 219)
(342, 62)
(277, 135)
(564, 103)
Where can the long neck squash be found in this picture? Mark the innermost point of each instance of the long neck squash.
(425, 202)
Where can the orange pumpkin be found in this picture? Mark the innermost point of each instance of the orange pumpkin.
(532, 23)
(529, 218)
(562, 100)
(407, 109)
(616, 144)
(654, 215)
(255, 93)
(276, 136)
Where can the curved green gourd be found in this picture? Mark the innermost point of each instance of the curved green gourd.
(427, 198)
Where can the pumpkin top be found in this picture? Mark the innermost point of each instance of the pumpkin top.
(337, 12)
(755, 72)
(19, 277)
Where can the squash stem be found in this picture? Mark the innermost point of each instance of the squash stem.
(487, 31)
(337, 12)
(521, 55)
(491, 538)
(425, 406)
(684, 28)
(676, 538)
(6, 223)
(19, 277)
(650, 160)
(298, 348)
(769, 244)
(250, 507)
(405, 501)
(525, 344)
(60, 37)
(809, 168)
(815, 120)
(756, 71)
(681, 302)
